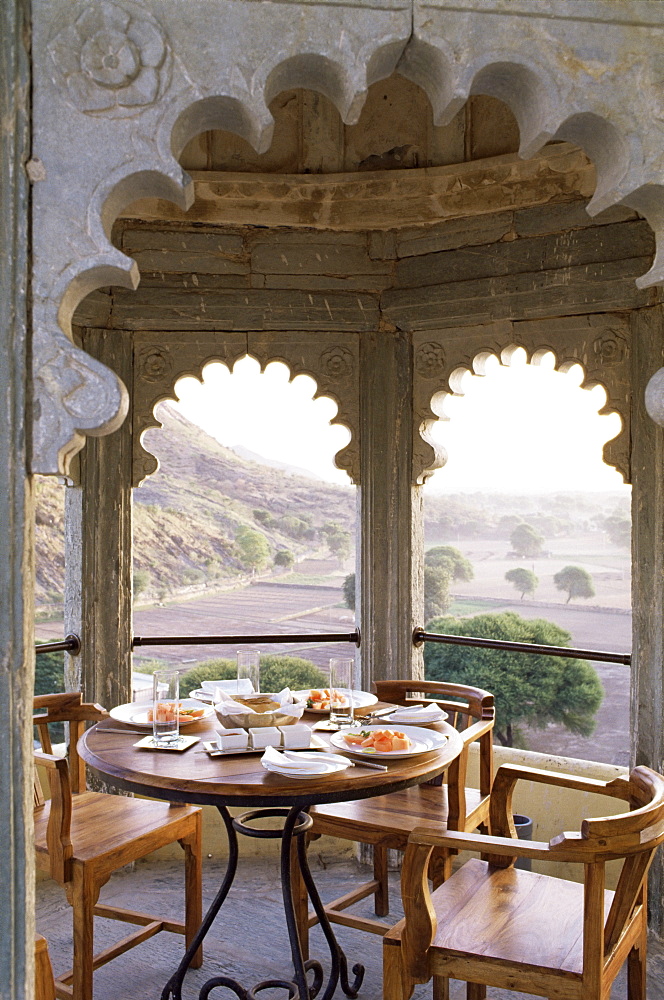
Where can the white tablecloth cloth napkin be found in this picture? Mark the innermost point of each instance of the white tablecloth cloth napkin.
(425, 713)
(289, 761)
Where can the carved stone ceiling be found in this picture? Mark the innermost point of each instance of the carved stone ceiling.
(121, 86)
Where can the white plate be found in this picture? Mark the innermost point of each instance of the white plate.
(135, 713)
(361, 699)
(423, 742)
(332, 762)
(413, 722)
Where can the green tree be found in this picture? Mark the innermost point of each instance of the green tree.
(619, 530)
(576, 580)
(284, 558)
(50, 679)
(253, 546)
(348, 588)
(526, 541)
(436, 591)
(529, 689)
(338, 541)
(448, 558)
(277, 672)
(140, 579)
(524, 580)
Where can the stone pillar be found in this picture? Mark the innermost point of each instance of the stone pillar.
(98, 544)
(16, 518)
(647, 708)
(390, 544)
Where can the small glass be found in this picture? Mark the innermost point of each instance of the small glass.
(166, 708)
(341, 692)
(248, 668)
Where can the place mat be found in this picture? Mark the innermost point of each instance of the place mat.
(183, 744)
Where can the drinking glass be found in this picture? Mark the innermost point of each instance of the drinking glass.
(166, 707)
(341, 684)
(248, 667)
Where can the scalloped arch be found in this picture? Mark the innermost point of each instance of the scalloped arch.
(599, 344)
(332, 361)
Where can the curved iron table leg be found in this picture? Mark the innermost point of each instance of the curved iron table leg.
(173, 987)
(339, 961)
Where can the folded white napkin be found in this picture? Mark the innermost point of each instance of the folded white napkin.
(292, 762)
(285, 700)
(421, 713)
(241, 687)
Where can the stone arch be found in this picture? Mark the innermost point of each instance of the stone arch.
(161, 360)
(600, 344)
(571, 86)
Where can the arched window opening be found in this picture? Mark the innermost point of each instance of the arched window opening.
(247, 526)
(527, 537)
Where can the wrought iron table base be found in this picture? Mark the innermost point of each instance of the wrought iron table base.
(299, 988)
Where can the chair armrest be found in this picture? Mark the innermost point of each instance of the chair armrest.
(507, 776)
(503, 849)
(475, 731)
(58, 831)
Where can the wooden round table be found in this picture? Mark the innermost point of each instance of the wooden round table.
(240, 780)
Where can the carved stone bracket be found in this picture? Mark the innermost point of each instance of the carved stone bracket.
(598, 342)
(160, 360)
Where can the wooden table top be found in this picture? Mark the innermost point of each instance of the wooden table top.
(193, 776)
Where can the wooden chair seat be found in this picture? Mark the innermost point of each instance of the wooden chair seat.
(544, 920)
(390, 819)
(112, 829)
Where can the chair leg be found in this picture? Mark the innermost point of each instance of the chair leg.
(193, 889)
(300, 900)
(84, 895)
(636, 970)
(475, 991)
(381, 898)
(396, 984)
(441, 988)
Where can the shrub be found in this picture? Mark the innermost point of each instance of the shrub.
(277, 672)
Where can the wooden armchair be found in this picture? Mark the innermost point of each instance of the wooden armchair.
(491, 924)
(82, 837)
(388, 820)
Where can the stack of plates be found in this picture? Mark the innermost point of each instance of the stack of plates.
(303, 764)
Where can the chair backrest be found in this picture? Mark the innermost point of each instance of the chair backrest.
(65, 777)
(67, 707)
(471, 711)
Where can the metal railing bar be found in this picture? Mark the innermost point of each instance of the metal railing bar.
(420, 636)
(70, 643)
(228, 640)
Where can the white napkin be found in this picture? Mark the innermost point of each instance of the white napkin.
(303, 765)
(421, 713)
(285, 699)
(242, 687)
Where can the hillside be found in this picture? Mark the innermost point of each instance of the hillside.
(187, 516)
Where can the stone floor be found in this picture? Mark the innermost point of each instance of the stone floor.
(249, 940)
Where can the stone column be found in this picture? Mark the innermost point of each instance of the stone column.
(16, 518)
(98, 544)
(647, 708)
(390, 546)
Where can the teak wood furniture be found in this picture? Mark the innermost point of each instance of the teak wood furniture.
(388, 820)
(241, 780)
(82, 837)
(44, 982)
(493, 925)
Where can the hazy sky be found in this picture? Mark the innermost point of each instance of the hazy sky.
(517, 428)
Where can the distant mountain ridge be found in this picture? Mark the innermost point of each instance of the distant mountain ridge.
(291, 470)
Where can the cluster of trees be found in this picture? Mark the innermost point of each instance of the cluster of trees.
(529, 689)
(442, 564)
(575, 581)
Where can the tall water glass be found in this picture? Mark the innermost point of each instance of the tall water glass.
(248, 668)
(341, 691)
(166, 707)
